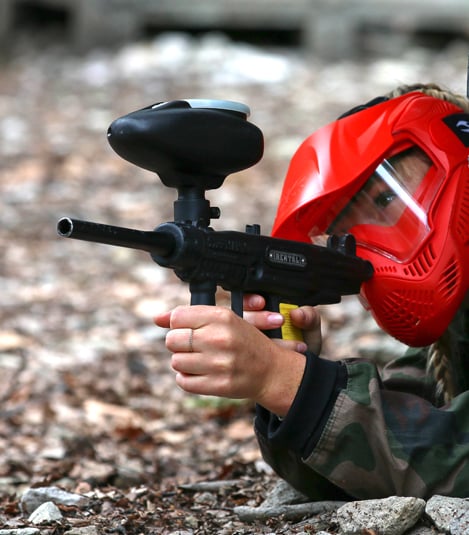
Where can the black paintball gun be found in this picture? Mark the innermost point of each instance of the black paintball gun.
(193, 145)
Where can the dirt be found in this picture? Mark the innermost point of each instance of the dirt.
(88, 399)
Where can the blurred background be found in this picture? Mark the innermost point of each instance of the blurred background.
(79, 355)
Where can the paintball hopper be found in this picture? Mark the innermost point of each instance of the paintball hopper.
(189, 142)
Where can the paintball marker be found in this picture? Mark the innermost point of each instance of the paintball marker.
(193, 145)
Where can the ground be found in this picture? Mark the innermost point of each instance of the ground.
(88, 399)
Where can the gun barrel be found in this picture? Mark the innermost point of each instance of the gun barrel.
(160, 243)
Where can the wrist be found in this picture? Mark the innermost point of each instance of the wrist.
(282, 382)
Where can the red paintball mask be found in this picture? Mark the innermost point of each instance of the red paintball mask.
(395, 175)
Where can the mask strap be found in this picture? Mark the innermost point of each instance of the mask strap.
(373, 102)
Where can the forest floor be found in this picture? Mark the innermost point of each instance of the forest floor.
(87, 397)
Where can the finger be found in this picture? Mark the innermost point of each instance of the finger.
(201, 364)
(305, 317)
(203, 385)
(197, 316)
(264, 320)
(309, 320)
(253, 302)
(190, 383)
(188, 363)
(293, 345)
(162, 319)
(180, 341)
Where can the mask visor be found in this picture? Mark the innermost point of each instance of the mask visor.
(386, 215)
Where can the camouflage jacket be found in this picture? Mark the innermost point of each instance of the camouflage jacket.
(355, 432)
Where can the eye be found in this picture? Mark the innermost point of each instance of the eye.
(385, 198)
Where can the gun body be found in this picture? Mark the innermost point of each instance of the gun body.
(248, 263)
(239, 262)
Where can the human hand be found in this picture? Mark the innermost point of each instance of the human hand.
(306, 318)
(215, 352)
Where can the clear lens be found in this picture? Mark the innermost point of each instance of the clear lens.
(387, 214)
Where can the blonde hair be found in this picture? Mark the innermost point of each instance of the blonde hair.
(439, 364)
(432, 90)
(443, 352)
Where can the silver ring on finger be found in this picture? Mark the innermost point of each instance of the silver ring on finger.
(191, 340)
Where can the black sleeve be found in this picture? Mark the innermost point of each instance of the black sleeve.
(301, 428)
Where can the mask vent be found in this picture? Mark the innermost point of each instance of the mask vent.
(386, 269)
(450, 280)
(422, 264)
(402, 311)
(462, 228)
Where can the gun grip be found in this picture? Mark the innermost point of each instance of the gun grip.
(287, 331)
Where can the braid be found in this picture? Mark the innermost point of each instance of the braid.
(439, 364)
